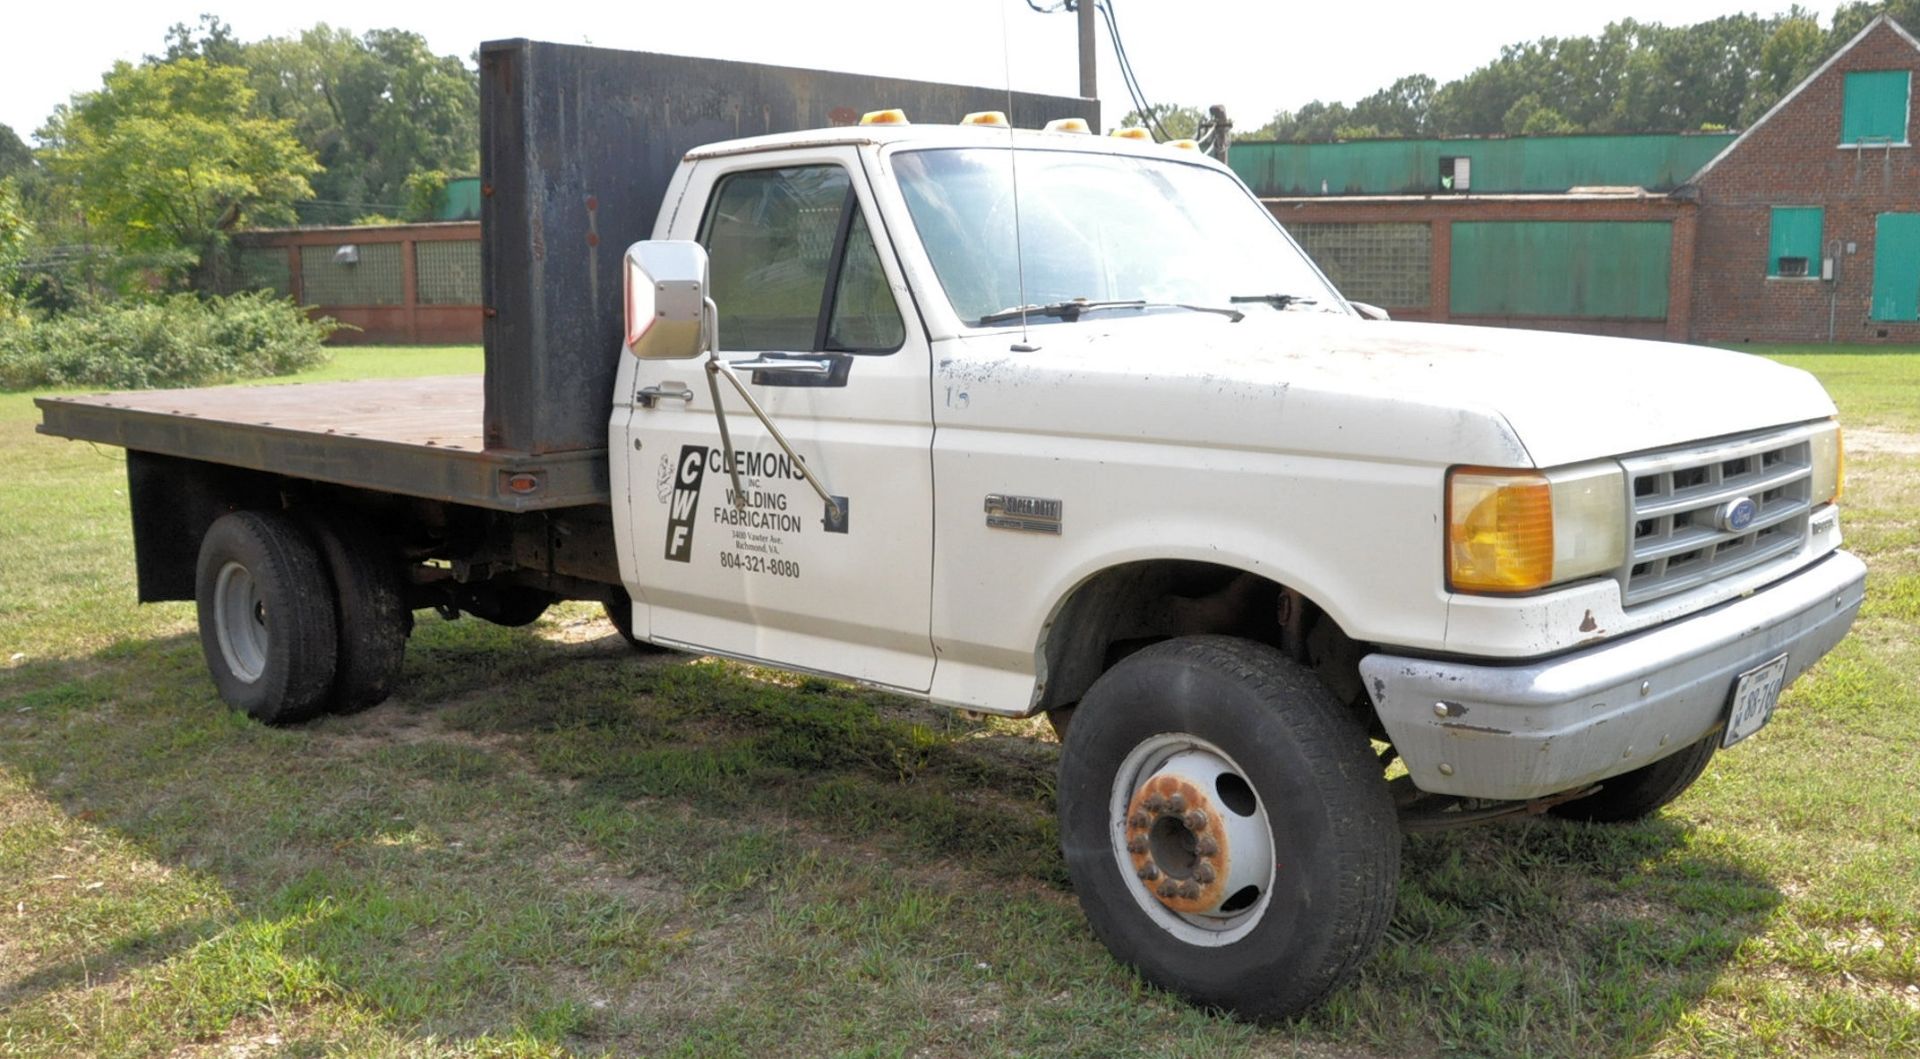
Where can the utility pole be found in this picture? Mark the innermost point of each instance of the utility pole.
(1088, 89)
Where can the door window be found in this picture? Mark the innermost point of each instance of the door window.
(794, 266)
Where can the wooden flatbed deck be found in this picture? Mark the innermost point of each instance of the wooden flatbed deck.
(414, 437)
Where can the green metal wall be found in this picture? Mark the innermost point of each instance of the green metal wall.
(1594, 269)
(462, 201)
(1524, 164)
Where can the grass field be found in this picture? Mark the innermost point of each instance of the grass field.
(546, 844)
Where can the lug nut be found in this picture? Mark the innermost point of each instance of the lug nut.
(1169, 888)
(1176, 803)
(1139, 821)
(1203, 872)
(1196, 820)
(1137, 844)
(1190, 890)
(1154, 803)
(1149, 872)
(1207, 846)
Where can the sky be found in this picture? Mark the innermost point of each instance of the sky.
(1255, 56)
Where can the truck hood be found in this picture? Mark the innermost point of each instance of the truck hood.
(1395, 390)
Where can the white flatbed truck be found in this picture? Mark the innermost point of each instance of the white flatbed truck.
(1121, 455)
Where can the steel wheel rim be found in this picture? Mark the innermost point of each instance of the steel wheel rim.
(1244, 839)
(240, 622)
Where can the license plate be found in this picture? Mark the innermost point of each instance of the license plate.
(1755, 693)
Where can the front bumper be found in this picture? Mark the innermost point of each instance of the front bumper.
(1538, 728)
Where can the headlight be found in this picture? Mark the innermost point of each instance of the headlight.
(1829, 464)
(1517, 531)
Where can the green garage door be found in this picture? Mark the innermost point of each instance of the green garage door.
(1591, 269)
(1896, 267)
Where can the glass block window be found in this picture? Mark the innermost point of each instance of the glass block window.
(263, 268)
(1875, 107)
(1793, 242)
(1385, 264)
(372, 277)
(448, 273)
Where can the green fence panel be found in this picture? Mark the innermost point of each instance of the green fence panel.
(1593, 269)
(448, 273)
(369, 275)
(263, 268)
(1896, 266)
(1542, 164)
(1386, 264)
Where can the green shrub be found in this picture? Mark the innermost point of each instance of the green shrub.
(180, 340)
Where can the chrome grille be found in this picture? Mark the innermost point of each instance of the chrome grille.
(1678, 539)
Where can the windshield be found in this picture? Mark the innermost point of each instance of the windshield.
(1102, 227)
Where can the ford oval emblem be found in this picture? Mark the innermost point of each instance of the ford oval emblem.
(1736, 515)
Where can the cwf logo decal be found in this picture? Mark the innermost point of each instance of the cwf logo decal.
(688, 474)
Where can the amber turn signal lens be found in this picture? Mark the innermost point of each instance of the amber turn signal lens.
(1499, 531)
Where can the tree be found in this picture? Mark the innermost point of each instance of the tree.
(15, 156)
(166, 159)
(374, 109)
(1404, 108)
(216, 44)
(1795, 47)
(15, 231)
(1178, 123)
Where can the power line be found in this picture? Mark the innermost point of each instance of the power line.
(1127, 77)
(1147, 115)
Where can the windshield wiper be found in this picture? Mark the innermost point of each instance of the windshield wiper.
(1278, 301)
(1072, 310)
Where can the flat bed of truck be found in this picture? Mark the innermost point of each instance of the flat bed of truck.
(415, 437)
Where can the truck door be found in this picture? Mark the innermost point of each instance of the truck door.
(799, 270)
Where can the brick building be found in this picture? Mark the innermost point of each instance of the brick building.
(1805, 227)
(1809, 223)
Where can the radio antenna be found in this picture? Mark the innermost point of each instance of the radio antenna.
(1013, 169)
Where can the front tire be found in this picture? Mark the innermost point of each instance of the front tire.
(266, 616)
(1227, 826)
(618, 608)
(1638, 794)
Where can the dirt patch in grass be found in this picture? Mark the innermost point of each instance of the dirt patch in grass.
(1882, 442)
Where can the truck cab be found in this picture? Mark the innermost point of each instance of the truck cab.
(1088, 429)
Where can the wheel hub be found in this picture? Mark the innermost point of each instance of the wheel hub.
(240, 622)
(1197, 838)
(1178, 847)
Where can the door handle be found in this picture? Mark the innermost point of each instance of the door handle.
(651, 396)
(796, 365)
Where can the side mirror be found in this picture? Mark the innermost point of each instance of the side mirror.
(667, 306)
(1369, 312)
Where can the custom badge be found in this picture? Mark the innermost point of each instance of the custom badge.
(1029, 514)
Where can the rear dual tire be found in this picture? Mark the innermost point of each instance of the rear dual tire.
(297, 620)
(267, 623)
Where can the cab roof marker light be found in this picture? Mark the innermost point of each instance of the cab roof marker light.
(894, 116)
(996, 118)
(1185, 145)
(1131, 134)
(1073, 125)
